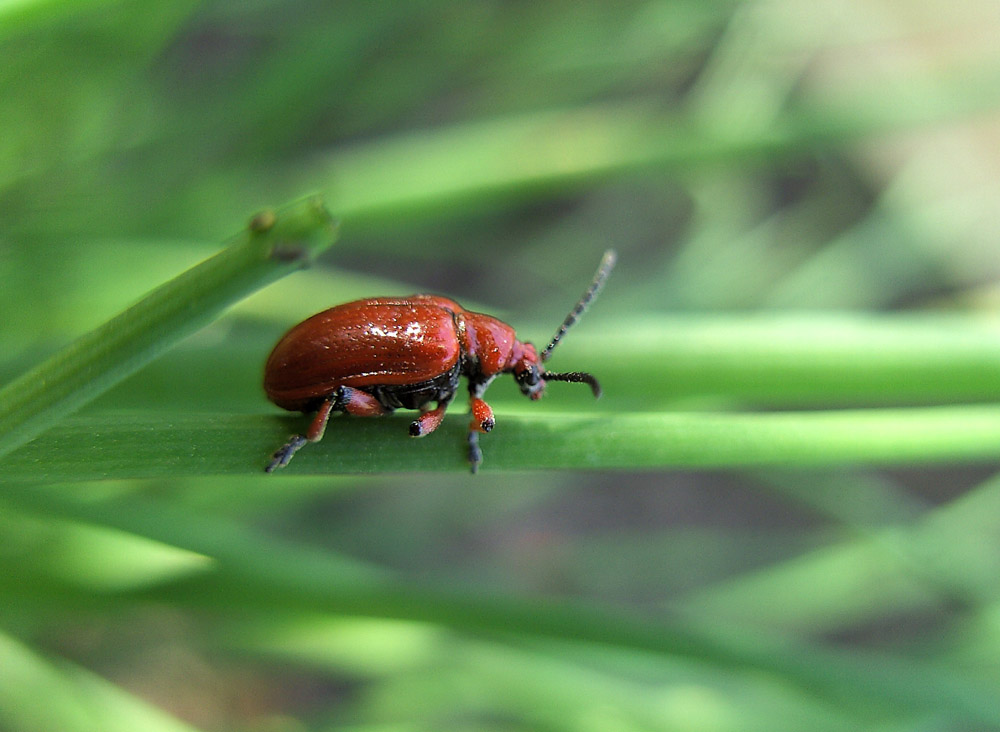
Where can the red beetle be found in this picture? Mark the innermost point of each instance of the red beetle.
(369, 357)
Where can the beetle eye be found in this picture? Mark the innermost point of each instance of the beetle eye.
(528, 376)
(530, 381)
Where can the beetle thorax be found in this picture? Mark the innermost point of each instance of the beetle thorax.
(490, 346)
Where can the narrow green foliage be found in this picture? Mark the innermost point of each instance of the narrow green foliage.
(126, 445)
(271, 247)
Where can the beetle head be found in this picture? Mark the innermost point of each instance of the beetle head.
(528, 372)
(531, 376)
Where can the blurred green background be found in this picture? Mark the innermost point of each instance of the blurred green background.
(750, 161)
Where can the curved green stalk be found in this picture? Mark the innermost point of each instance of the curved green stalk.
(272, 246)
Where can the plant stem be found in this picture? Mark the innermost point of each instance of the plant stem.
(272, 246)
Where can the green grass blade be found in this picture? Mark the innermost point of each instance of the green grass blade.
(795, 359)
(273, 245)
(117, 445)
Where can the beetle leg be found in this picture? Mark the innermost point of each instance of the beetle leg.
(281, 457)
(482, 415)
(317, 427)
(475, 454)
(358, 403)
(346, 399)
(428, 421)
(482, 421)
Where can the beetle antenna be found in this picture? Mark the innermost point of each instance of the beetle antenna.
(603, 270)
(577, 377)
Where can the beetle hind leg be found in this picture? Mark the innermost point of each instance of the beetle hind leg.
(344, 399)
(317, 427)
(357, 403)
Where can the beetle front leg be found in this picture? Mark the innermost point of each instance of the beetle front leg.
(482, 421)
(482, 415)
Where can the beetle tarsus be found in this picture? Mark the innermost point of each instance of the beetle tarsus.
(284, 454)
(475, 453)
